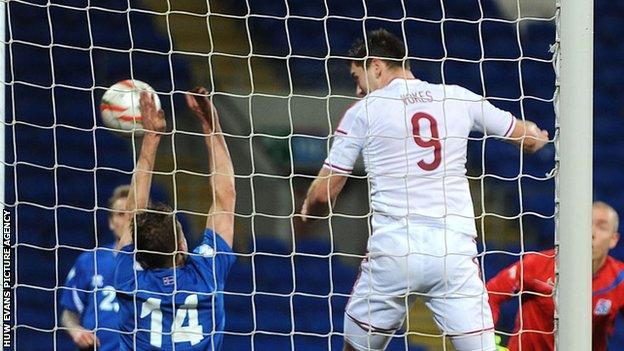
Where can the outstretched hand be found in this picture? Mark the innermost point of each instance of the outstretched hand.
(153, 119)
(198, 101)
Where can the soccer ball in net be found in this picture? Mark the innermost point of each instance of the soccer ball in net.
(120, 106)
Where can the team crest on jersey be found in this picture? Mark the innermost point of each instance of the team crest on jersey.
(97, 281)
(168, 280)
(206, 251)
(603, 306)
(137, 266)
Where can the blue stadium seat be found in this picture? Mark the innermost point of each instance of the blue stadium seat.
(309, 8)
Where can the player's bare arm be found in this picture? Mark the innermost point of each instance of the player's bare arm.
(529, 136)
(323, 193)
(221, 213)
(138, 197)
(82, 337)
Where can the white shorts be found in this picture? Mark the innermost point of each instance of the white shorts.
(408, 261)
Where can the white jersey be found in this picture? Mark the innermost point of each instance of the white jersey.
(413, 137)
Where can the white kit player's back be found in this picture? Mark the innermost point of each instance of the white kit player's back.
(413, 137)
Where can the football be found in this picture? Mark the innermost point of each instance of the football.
(119, 107)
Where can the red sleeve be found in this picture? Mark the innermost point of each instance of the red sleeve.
(502, 286)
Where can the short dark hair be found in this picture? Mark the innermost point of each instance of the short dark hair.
(157, 231)
(380, 44)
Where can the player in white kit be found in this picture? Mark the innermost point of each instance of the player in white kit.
(413, 137)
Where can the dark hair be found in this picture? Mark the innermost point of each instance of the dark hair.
(157, 231)
(379, 44)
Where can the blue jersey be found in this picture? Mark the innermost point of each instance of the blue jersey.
(90, 293)
(174, 309)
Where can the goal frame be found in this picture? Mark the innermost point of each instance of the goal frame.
(573, 140)
(574, 102)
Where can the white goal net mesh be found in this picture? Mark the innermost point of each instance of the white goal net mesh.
(278, 73)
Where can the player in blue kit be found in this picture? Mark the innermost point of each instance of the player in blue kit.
(88, 299)
(170, 298)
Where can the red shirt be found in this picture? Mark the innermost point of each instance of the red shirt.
(537, 307)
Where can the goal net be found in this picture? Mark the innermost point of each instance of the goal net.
(278, 73)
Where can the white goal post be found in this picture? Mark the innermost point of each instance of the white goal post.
(574, 191)
(573, 61)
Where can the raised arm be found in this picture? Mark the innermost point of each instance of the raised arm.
(528, 135)
(221, 213)
(323, 193)
(138, 197)
(491, 120)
